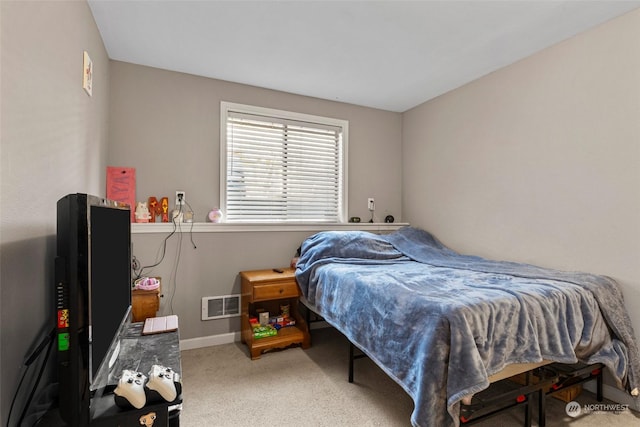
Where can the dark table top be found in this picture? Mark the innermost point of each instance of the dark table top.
(138, 353)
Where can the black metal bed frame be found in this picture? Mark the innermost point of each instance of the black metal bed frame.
(506, 394)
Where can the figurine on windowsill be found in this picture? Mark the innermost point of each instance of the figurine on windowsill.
(142, 212)
(215, 215)
(154, 209)
(164, 206)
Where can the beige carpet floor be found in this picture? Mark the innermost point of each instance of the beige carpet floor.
(223, 387)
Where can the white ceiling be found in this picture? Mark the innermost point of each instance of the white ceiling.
(391, 54)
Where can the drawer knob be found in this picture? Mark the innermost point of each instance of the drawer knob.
(281, 290)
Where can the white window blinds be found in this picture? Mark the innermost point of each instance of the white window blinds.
(282, 167)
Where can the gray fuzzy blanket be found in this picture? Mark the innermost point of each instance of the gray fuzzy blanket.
(440, 323)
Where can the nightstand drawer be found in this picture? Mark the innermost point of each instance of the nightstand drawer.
(275, 291)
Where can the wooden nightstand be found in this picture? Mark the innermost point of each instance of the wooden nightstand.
(268, 290)
(144, 304)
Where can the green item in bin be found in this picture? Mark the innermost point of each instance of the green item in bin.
(264, 331)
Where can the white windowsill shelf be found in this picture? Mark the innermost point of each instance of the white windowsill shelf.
(208, 227)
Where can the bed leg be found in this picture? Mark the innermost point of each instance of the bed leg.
(350, 362)
(542, 408)
(599, 385)
(307, 319)
(528, 408)
(527, 412)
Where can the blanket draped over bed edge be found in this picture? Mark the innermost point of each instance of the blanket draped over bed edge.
(440, 323)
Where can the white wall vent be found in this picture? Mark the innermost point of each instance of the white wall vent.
(220, 307)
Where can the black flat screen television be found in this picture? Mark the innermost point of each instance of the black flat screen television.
(93, 297)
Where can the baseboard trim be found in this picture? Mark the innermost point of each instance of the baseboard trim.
(211, 340)
(228, 338)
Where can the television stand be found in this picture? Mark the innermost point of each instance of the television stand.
(137, 352)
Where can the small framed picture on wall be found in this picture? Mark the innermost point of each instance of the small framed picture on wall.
(87, 75)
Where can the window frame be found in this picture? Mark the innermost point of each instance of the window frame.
(226, 107)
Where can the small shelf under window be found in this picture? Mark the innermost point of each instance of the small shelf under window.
(208, 227)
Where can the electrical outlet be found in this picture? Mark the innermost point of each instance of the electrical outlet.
(180, 198)
(371, 204)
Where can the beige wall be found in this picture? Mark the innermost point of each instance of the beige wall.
(54, 142)
(167, 126)
(539, 161)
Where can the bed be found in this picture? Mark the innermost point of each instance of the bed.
(443, 324)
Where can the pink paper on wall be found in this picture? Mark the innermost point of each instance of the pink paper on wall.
(121, 186)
